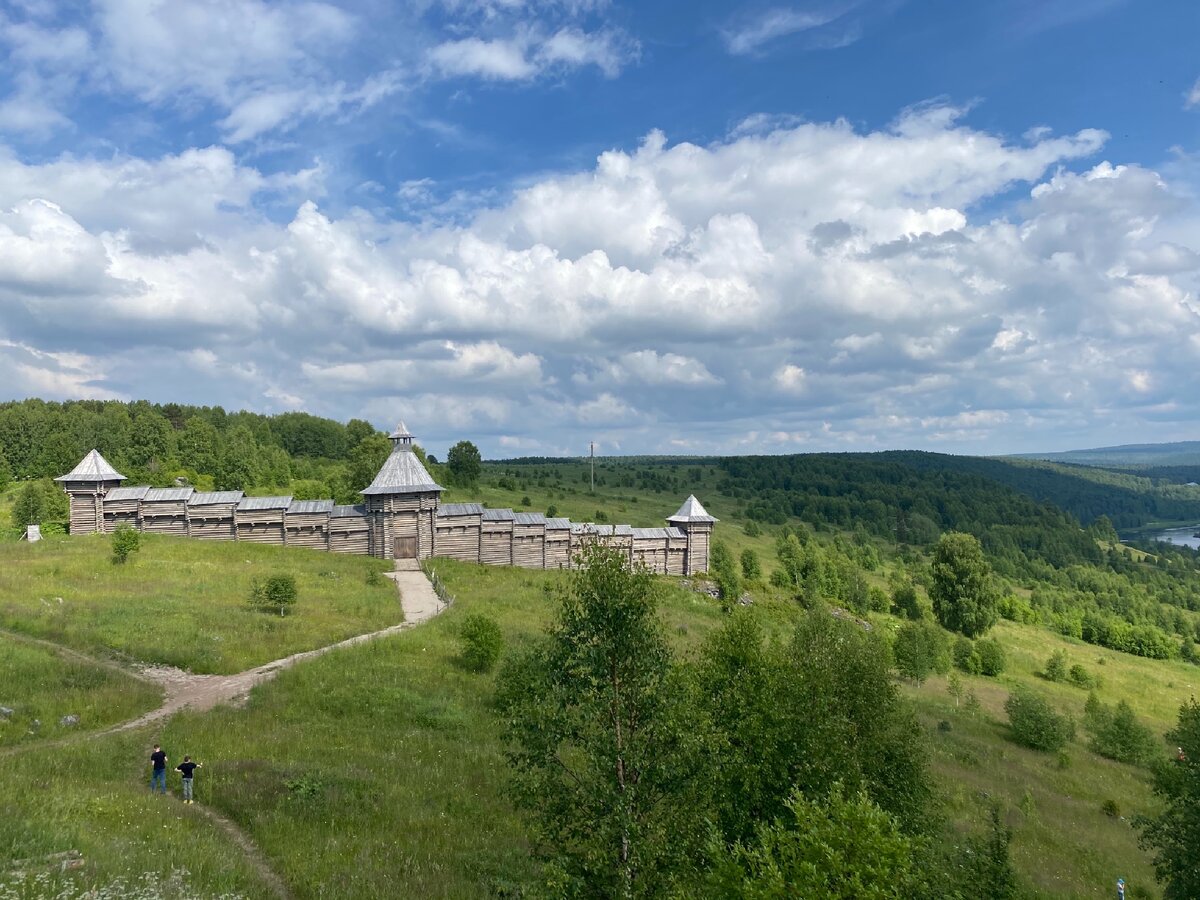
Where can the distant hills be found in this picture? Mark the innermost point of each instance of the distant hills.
(1180, 453)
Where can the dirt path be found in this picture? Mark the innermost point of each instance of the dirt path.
(253, 855)
(184, 690)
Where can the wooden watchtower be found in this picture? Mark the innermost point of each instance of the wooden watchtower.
(86, 485)
(695, 522)
(402, 504)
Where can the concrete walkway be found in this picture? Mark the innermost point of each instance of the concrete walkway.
(417, 595)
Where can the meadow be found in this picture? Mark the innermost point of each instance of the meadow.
(185, 603)
(378, 770)
(41, 688)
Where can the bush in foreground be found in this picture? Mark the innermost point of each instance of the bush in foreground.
(482, 643)
(1035, 724)
(1174, 833)
(125, 541)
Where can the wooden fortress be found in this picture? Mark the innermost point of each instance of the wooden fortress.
(401, 517)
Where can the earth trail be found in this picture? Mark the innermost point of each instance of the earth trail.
(184, 690)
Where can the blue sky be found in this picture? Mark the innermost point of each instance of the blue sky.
(668, 227)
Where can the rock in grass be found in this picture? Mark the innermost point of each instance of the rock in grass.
(69, 721)
(5, 712)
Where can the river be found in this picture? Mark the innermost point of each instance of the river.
(1183, 536)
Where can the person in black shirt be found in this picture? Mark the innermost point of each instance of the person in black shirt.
(158, 777)
(187, 768)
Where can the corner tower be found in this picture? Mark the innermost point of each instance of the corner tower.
(86, 485)
(402, 503)
(697, 525)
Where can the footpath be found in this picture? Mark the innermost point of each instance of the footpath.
(183, 690)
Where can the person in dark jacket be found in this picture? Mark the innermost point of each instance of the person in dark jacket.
(187, 768)
(158, 774)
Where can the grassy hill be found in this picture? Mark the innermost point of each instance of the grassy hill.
(184, 603)
(378, 771)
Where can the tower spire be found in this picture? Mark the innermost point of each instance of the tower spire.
(401, 438)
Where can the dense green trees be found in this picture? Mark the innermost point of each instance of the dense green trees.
(756, 768)
(1174, 834)
(366, 459)
(921, 648)
(843, 847)
(152, 442)
(964, 598)
(464, 463)
(603, 752)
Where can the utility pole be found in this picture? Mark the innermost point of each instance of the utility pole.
(592, 458)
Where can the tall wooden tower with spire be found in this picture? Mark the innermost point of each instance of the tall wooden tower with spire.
(402, 503)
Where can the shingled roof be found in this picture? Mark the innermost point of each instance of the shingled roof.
(92, 467)
(402, 473)
(691, 511)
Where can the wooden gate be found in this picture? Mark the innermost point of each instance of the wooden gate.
(406, 548)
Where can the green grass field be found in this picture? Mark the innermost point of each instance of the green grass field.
(377, 770)
(185, 603)
(1064, 845)
(41, 687)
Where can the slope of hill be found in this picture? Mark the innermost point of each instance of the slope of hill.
(1179, 453)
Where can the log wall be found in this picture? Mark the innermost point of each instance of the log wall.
(349, 530)
(465, 531)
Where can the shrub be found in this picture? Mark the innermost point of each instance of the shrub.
(526, 501)
(878, 599)
(1110, 808)
(921, 648)
(991, 655)
(1018, 609)
(965, 656)
(1081, 677)
(751, 570)
(904, 598)
(276, 594)
(551, 511)
(1117, 734)
(725, 573)
(482, 643)
(752, 529)
(125, 540)
(1035, 724)
(1056, 666)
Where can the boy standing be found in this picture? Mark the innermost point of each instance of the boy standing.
(158, 777)
(187, 768)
